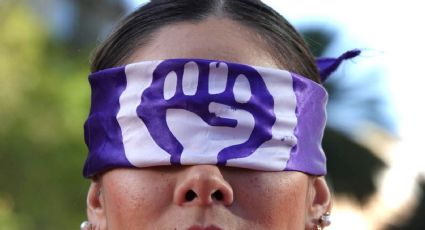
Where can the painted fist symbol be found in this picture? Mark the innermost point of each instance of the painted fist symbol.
(191, 102)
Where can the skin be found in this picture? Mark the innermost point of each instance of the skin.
(157, 197)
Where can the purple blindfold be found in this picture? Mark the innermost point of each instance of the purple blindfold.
(195, 111)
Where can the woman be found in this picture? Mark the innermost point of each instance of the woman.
(195, 135)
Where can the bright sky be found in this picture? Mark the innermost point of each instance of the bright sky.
(391, 34)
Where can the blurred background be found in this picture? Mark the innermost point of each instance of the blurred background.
(373, 140)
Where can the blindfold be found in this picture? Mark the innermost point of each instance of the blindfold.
(197, 111)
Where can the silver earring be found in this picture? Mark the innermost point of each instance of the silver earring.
(86, 226)
(325, 219)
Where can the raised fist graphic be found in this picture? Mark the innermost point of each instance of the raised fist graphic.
(190, 101)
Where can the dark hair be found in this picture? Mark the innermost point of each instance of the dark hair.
(286, 46)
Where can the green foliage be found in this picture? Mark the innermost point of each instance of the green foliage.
(8, 220)
(43, 103)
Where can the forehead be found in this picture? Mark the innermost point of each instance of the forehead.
(212, 38)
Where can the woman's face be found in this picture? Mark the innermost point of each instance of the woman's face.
(202, 197)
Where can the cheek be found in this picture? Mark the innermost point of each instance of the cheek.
(275, 202)
(133, 200)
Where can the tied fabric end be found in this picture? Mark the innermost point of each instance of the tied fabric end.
(327, 66)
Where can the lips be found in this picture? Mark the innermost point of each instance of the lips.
(212, 227)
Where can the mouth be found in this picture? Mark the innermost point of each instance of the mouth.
(211, 227)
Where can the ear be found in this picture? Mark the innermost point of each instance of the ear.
(96, 206)
(319, 201)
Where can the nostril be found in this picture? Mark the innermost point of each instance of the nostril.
(217, 195)
(190, 195)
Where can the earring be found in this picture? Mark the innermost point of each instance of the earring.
(324, 221)
(86, 226)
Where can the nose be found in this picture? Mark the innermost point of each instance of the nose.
(203, 185)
